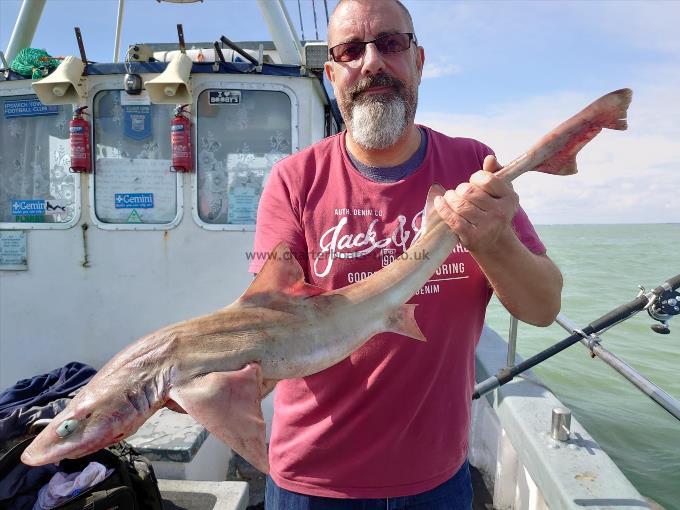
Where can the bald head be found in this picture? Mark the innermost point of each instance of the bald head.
(337, 13)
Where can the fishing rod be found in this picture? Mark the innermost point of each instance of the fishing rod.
(661, 303)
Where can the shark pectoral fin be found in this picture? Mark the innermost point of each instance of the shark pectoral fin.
(280, 274)
(228, 405)
(403, 321)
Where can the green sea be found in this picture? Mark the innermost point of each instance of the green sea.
(602, 267)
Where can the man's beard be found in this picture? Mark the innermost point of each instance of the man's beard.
(377, 121)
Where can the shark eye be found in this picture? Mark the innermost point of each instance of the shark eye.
(67, 427)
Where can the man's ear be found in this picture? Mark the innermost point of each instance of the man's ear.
(330, 72)
(420, 61)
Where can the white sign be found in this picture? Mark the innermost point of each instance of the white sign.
(13, 252)
(130, 99)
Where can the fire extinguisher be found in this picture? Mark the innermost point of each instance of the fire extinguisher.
(180, 138)
(79, 134)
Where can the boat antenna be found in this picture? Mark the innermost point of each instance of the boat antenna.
(316, 28)
(302, 28)
(325, 6)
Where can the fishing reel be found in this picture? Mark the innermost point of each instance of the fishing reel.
(663, 308)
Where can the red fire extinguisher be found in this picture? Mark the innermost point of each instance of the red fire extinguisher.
(180, 138)
(79, 134)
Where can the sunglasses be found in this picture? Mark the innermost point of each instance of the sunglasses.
(386, 44)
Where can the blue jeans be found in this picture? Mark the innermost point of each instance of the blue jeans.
(454, 494)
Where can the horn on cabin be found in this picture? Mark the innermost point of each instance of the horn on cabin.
(66, 85)
(172, 85)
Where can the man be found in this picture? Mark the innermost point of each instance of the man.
(391, 421)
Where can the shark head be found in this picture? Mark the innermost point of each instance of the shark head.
(93, 420)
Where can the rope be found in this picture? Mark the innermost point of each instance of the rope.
(31, 62)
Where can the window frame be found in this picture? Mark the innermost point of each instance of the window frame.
(8, 93)
(115, 85)
(294, 143)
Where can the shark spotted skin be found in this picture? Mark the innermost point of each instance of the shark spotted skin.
(218, 367)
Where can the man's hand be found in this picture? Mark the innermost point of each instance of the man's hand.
(480, 212)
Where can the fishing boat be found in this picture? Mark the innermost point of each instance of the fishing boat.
(133, 233)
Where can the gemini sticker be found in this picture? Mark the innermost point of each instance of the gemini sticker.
(28, 207)
(133, 200)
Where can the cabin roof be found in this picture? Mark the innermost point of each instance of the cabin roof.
(98, 69)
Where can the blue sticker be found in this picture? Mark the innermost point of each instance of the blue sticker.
(27, 108)
(137, 121)
(133, 200)
(28, 207)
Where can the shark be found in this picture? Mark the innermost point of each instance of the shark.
(219, 367)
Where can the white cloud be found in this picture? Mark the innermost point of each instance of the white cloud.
(625, 177)
(442, 67)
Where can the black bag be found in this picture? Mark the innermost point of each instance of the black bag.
(131, 486)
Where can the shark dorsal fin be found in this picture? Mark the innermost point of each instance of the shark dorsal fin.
(281, 274)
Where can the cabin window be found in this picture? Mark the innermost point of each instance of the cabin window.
(36, 188)
(241, 133)
(133, 184)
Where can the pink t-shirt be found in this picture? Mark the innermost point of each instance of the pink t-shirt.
(392, 419)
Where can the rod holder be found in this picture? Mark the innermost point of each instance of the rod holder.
(180, 36)
(560, 428)
(81, 48)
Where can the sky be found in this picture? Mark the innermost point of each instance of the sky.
(504, 72)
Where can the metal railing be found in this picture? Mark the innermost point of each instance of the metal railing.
(592, 342)
(661, 303)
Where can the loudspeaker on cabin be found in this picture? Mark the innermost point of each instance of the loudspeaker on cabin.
(172, 85)
(66, 85)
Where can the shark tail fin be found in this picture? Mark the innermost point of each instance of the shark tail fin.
(610, 111)
(617, 104)
(403, 321)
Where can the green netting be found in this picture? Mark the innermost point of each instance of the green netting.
(30, 61)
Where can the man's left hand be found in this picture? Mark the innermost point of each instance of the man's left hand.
(480, 211)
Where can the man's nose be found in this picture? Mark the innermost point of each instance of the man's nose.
(373, 60)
